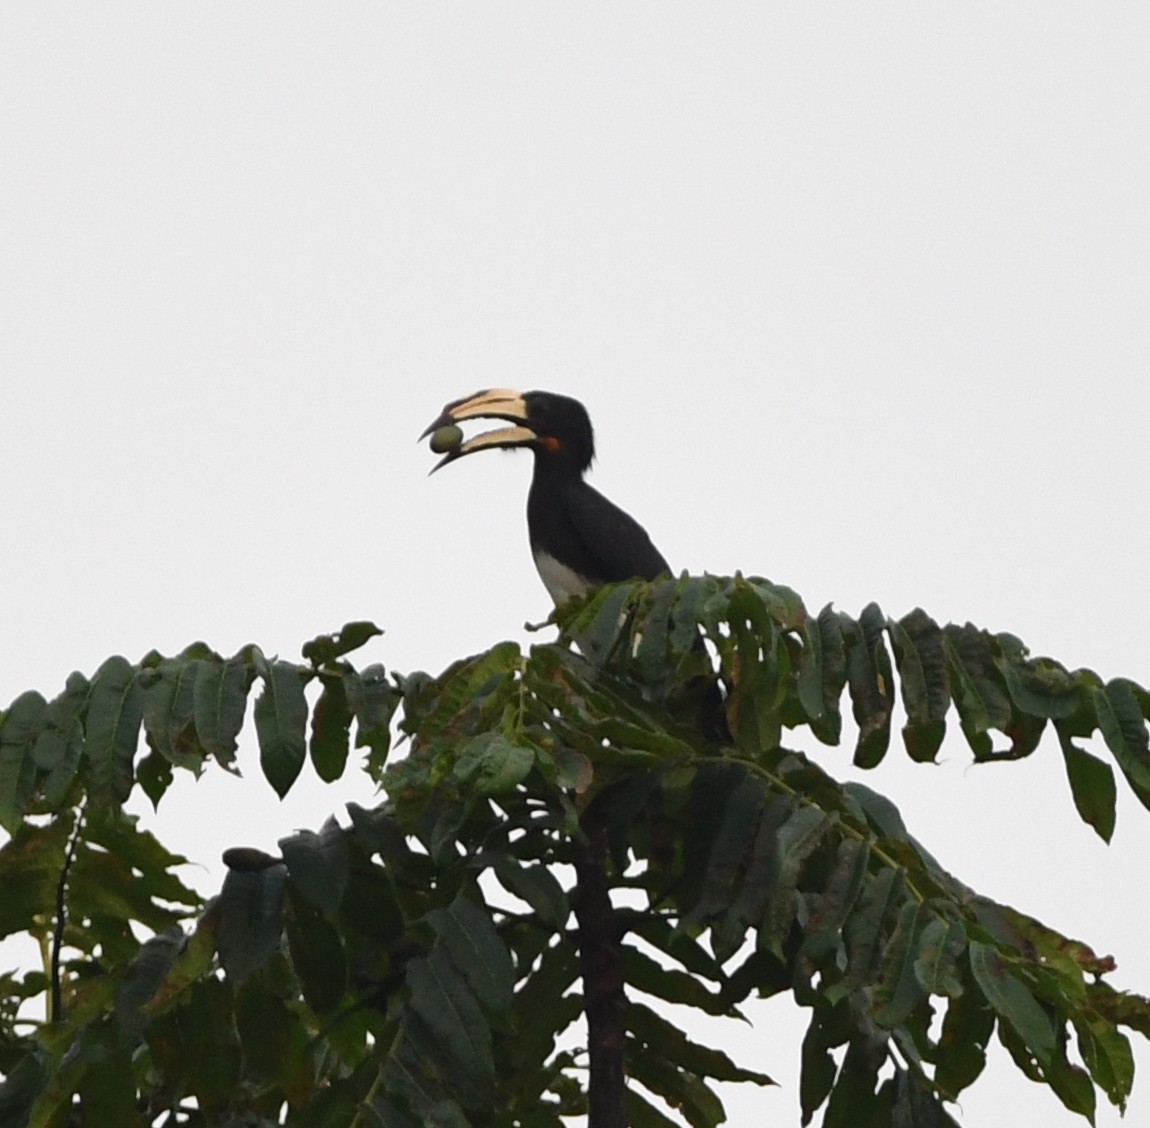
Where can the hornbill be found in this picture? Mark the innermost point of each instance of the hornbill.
(579, 539)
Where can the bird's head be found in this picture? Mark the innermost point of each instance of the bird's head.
(557, 428)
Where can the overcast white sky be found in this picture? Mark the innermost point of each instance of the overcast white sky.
(857, 296)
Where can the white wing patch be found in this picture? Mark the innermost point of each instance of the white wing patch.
(560, 581)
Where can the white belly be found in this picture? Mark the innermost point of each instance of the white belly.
(560, 581)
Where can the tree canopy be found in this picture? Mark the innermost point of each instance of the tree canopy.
(562, 827)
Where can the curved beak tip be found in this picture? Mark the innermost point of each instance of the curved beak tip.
(443, 420)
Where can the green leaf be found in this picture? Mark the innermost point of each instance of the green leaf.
(20, 1090)
(442, 999)
(281, 719)
(870, 678)
(738, 822)
(221, 697)
(154, 775)
(879, 811)
(104, 887)
(170, 707)
(1039, 686)
(194, 959)
(119, 834)
(966, 1030)
(914, 1103)
(830, 909)
(979, 693)
(107, 1090)
(112, 728)
(759, 881)
(316, 955)
(642, 973)
(249, 918)
(144, 976)
(422, 1075)
(55, 1098)
(542, 1008)
(925, 687)
(1011, 1000)
(1107, 1054)
(477, 951)
(899, 991)
(865, 932)
(782, 603)
(682, 1090)
(379, 832)
(30, 865)
(493, 765)
(602, 621)
(818, 1067)
(683, 949)
(832, 652)
(326, 649)
(671, 1043)
(642, 1114)
(211, 1048)
(1092, 785)
(940, 945)
(809, 683)
(330, 730)
(373, 701)
(1124, 730)
(18, 731)
(318, 864)
(755, 671)
(652, 630)
(573, 770)
(853, 1100)
(265, 1026)
(1072, 1085)
(796, 840)
(536, 885)
(59, 745)
(384, 1112)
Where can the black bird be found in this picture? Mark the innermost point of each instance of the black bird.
(579, 539)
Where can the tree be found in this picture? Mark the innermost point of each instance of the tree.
(567, 823)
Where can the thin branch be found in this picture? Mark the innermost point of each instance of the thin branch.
(56, 1000)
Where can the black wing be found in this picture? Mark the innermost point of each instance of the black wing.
(591, 535)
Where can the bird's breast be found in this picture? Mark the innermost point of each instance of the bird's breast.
(560, 581)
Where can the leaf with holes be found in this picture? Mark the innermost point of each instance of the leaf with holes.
(1011, 1000)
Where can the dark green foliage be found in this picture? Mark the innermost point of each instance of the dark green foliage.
(421, 964)
(281, 719)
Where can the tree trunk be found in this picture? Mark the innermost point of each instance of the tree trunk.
(601, 957)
